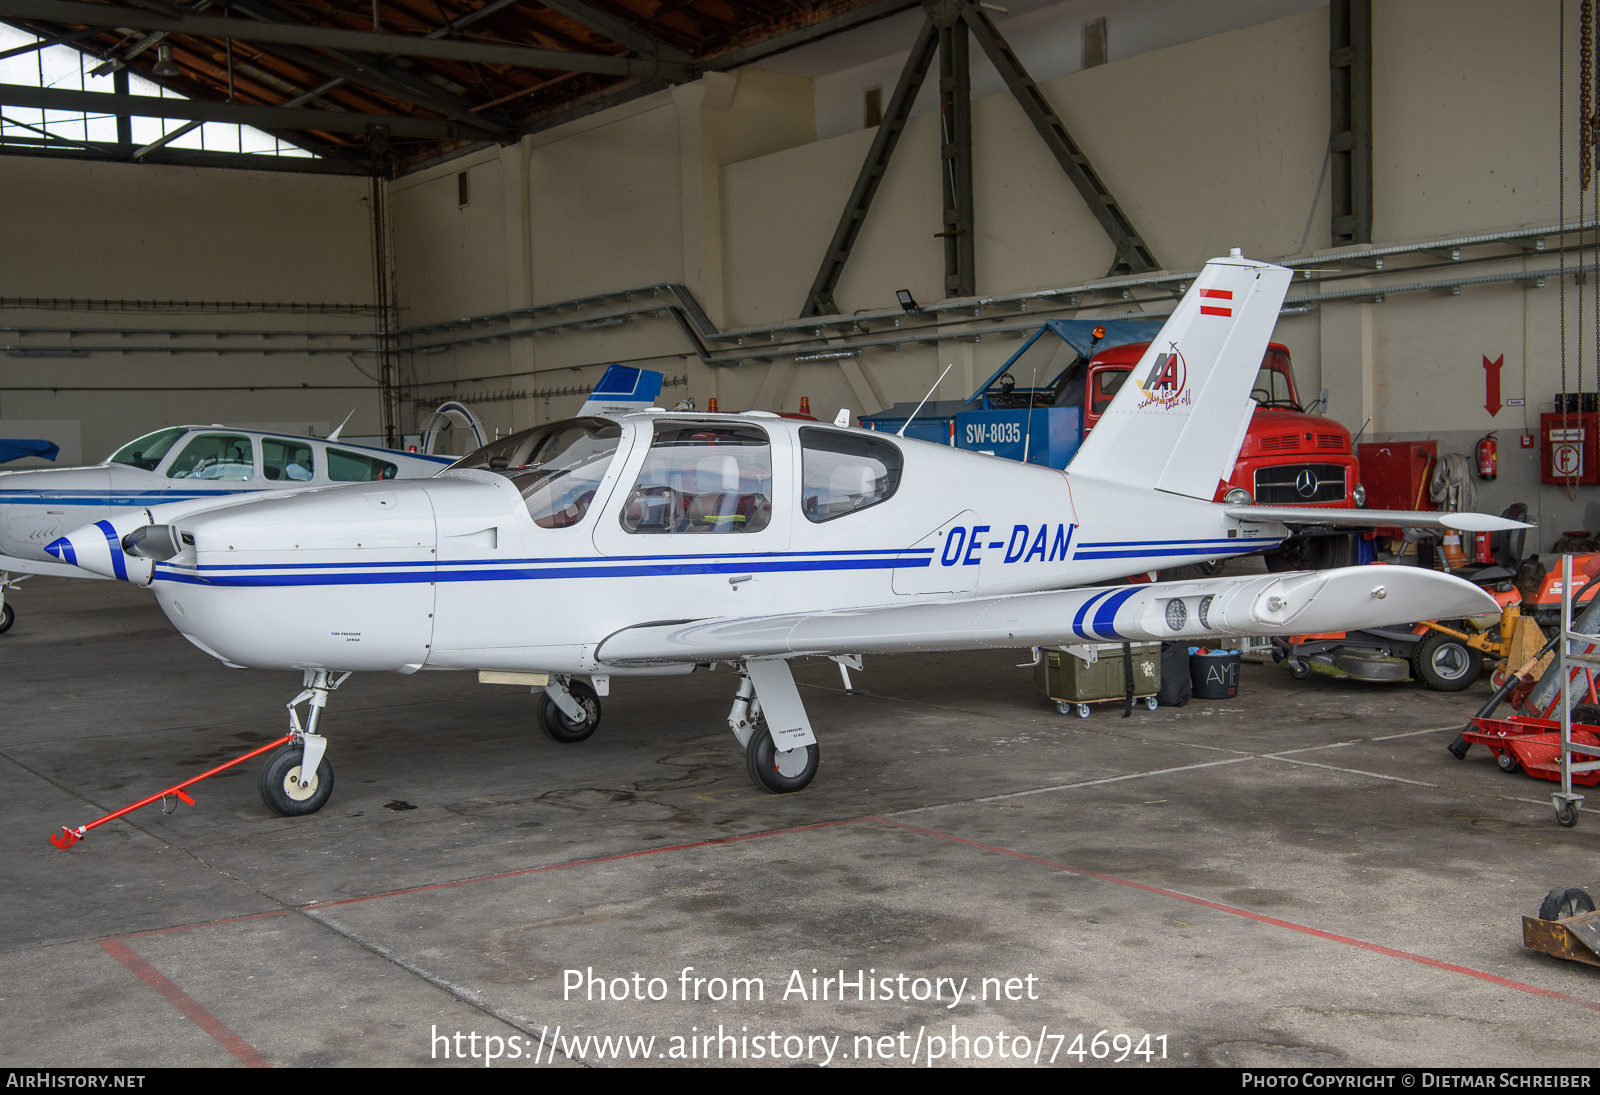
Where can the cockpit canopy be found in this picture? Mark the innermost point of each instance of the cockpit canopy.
(556, 467)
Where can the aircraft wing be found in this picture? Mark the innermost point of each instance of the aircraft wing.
(10, 564)
(1271, 604)
(1375, 518)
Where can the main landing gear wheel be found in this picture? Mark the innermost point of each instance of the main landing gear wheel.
(8, 616)
(280, 783)
(1445, 663)
(555, 723)
(781, 773)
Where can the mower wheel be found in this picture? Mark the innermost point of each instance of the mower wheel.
(1445, 663)
(1586, 713)
(1564, 902)
(1298, 668)
(1508, 763)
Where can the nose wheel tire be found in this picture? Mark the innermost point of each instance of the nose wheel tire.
(781, 773)
(8, 617)
(554, 722)
(280, 783)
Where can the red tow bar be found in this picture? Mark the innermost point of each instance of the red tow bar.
(69, 836)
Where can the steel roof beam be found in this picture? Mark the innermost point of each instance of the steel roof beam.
(249, 30)
(1132, 256)
(623, 33)
(261, 117)
(373, 73)
(819, 301)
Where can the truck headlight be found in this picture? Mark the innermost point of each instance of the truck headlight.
(1360, 495)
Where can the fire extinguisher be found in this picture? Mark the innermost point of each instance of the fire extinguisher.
(1488, 457)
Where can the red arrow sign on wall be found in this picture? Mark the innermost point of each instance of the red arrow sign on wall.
(1491, 384)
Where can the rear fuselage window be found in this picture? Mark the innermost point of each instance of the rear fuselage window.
(287, 461)
(844, 472)
(352, 467)
(702, 479)
(225, 457)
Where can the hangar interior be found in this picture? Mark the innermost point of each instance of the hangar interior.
(489, 203)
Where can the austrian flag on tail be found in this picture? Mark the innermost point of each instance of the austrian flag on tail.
(1217, 309)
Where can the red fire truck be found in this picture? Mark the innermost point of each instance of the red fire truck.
(1289, 457)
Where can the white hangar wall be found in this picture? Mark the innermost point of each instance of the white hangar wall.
(97, 232)
(1210, 143)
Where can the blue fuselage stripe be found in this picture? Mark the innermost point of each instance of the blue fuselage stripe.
(1154, 553)
(116, 501)
(167, 573)
(591, 560)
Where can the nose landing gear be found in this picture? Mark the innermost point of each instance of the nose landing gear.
(298, 778)
(8, 614)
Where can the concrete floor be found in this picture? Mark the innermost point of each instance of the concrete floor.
(1299, 877)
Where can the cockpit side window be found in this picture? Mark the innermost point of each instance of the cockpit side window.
(289, 461)
(146, 452)
(216, 457)
(844, 473)
(557, 468)
(700, 478)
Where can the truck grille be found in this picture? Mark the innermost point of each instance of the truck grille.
(1300, 484)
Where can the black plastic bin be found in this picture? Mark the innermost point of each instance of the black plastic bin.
(1215, 675)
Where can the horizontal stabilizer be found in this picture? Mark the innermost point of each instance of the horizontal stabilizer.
(1273, 604)
(1375, 518)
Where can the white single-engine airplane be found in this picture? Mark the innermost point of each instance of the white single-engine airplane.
(658, 542)
(179, 463)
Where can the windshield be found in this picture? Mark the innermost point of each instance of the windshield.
(556, 468)
(1274, 386)
(147, 451)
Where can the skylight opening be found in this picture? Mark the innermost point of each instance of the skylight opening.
(65, 67)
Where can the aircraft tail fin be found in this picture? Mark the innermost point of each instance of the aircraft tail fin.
(623, 389)
(1178, 421)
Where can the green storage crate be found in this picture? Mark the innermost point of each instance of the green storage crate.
(1072, 682)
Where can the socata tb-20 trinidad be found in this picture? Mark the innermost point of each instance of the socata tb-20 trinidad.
(572, 554)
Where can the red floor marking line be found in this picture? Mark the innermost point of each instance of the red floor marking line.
(1234, 910)
(586, 862)
(185, 1003)
(208, 923)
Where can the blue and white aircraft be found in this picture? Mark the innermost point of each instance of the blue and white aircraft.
(177, 464)
(659, 542)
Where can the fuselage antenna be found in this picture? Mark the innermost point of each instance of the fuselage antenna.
(901, 432)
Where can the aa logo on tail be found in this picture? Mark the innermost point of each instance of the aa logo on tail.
(1167, 382)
